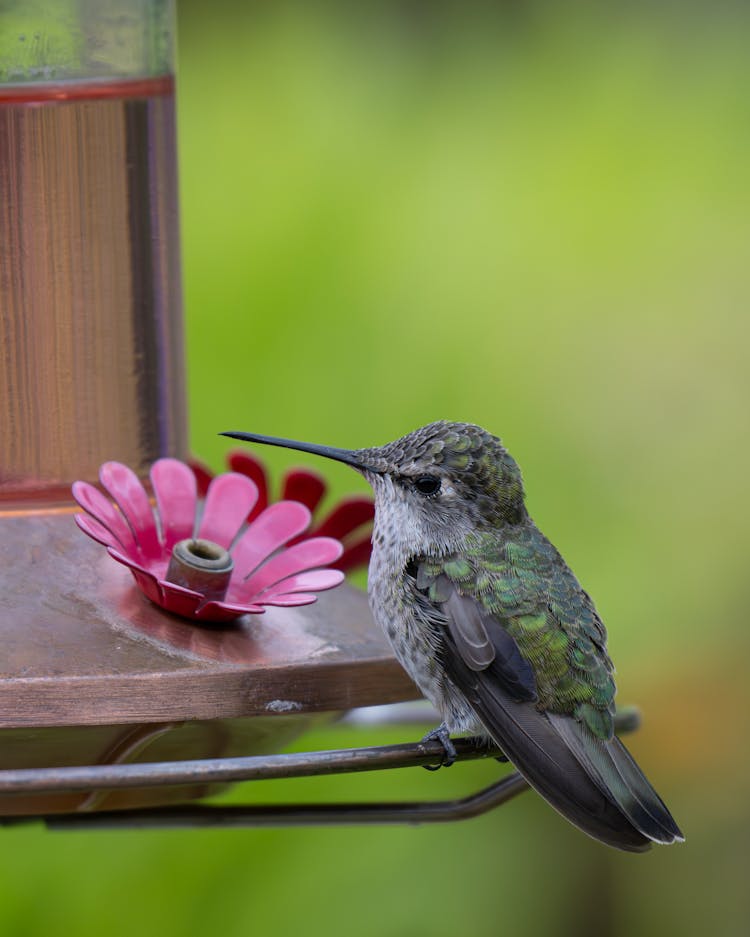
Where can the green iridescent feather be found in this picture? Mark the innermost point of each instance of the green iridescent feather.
(522, 581)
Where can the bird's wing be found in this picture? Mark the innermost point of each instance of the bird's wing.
(516, 665)
(522, 593)
(482, 646)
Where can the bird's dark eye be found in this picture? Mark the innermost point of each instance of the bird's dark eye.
(427, 484)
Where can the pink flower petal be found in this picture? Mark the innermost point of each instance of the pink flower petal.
(179, 600)
(305, 486)
(306, 555)
(148, 585)
(176, 499)
(226, 611)
(275, 526)
(123, 484)
(217, 614)
(316, 580)
(132, 561)
(145, 580)
(355, 554)
(97, 531)
(288, 600)
(228, 502)
(203, 476)
(348, 514)
(101, 508)
(246, 464)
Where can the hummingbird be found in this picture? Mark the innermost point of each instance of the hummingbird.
(494, 628)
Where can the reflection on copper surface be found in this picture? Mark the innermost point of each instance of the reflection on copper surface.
(90, 317)
(131, 743)
(256, 640)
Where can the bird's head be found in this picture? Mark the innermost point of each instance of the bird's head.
(433, 485)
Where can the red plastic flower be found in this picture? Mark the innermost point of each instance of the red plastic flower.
(207, 564)
(350, 520)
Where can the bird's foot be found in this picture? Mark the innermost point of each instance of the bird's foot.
(442, 735)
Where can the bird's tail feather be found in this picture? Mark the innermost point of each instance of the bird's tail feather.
(594, 784)
(617, 776)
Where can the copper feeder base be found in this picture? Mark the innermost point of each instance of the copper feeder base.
(93, 673)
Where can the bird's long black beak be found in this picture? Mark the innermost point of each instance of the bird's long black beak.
(347, 456)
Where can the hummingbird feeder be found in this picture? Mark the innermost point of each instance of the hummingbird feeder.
(212, 568)
(116, 710)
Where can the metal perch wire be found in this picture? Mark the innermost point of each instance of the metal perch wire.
(268, 767)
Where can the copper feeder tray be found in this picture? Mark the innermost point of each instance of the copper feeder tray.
(92, 673)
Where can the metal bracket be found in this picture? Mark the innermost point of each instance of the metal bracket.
(267, 767)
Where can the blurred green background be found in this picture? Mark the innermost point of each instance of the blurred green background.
(533, 216)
